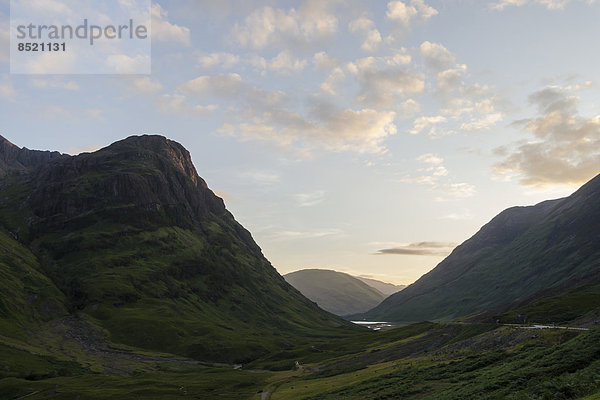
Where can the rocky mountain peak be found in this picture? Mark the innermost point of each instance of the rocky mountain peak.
(13, 158)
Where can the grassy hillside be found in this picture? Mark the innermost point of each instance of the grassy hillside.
(421, 361)
(522, 251)
(336, 292)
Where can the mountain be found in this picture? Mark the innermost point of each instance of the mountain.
(336, 292)
(522, 252)
(384, 287)
(130, 242)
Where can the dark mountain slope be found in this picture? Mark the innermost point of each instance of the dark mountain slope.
(522, 251)
(336, 292)
(133, 237)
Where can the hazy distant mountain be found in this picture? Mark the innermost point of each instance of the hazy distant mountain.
(521, 252)
(336, 292)
(383, 287)
(134, 239)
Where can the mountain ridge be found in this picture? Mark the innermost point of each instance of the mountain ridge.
(336, 292)
(521, 251)
(132, 238)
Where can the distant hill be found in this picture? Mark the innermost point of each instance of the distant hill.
(336, 292)
(383, 287)
(542, 249)
(131, 241)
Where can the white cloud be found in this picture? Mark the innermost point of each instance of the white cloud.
(382, 85)
(562, 147)
(323, 62)
(409, 108)
(170, 103)
(54, 83)
(459, 216)
(124, 64)
(261, 177)
(165, 31)
(290, 235)
(437, 56)
(455, 191)
(285, 63)
(145, 85)
(549, 4)
(435, 175)
(336, 77)
(269, 26)
(310, 199)
(336, 130)
(405, 14)
(427, 123)
(223, 85)
(218, 60)
(367, 31)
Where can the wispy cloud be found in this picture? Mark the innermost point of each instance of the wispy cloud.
(549, 4)
(420, 249)
(289, 235)
(310, 199)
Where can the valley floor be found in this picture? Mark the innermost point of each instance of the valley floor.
(420, 361)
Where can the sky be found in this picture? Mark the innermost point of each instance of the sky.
(369, 137)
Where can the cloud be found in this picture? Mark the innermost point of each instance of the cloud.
(436, 56)
(549, 4)
(284, 63)
(222, 85)
(435, 175)
(287, 235)
(404, 14)
(165, 31)
(338, 130)
(323, 62)
(562, 147)
(459, 216)
(335, 78)
(383, 81)
(473, 106)
(420, 249)
(268, 26)
(310, 199)
(262, 178)
(427, 123)
(455, 191)
(169, 103)
(365, 28)
(54, 83)
(124, 64)
(7, 90)
(218, 60)
(145, 85)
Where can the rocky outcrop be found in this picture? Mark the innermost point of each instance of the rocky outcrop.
(13, 158)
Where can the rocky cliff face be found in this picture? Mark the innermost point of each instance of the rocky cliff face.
(147, 174)
(15, 159)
